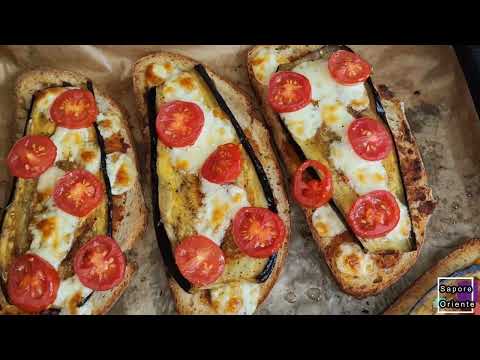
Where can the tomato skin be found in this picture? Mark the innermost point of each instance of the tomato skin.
(348, 68)
(74, 109)
(100, 263)
(29, 273)
(263, 226)
(200, 260)
(369, 139)
(78, 192)
(313, 193)
(31, 156)
(289, 91)
(224, 165)
(374, 214)
(179, 123)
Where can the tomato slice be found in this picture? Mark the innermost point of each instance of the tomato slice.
(312, 193)
(369, 139)
(179, 123)
(289, 91)
(224, 165)
(374, 214)
(74, 109)
(200, 260)
(31, 156)
(348, 68)
(78, 192)
(32, 283)
(258, 232)
(100, 263)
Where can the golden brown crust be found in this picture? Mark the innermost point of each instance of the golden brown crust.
(462, 257)
(244, 111)
(419, 194)
(132, 226)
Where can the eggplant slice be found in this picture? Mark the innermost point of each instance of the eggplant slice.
(162, 237)
(262, 176)
(380, 111)
(103, 168)
(161, 233)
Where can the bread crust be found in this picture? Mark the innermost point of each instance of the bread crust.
(462, 257)
(127, 230)
(419, 194)
(248, 118)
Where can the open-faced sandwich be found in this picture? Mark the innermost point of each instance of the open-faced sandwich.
(220, 211)
(422, 298)
(76, 206)
(354, 166)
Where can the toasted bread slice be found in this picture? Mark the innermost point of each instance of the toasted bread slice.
(130, 225)
(385, 269)
(249, 120)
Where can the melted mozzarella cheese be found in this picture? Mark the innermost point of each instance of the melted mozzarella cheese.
(304, 123)
(326, 89)
(165, 70)
(46, 99)
(121, 172)
(326, 222)
(364, 176)
(330, 99)
(215, 132)
(53, 234)
(238, 298)
(352, 261)
(398, 238)
(220, 203)
(108, 124)
(402, 230)
(47, 180)
(53, 229)
(264, 63)
(336, 118)
(70, 293)
(182, 87)
(77, 145)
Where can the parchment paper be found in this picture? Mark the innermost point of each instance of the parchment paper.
(440, 110)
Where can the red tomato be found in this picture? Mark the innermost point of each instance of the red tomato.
(347, 68)
(179, 123)
(289, 91)
(74, 109)
(258, 232)
(199, 259)
(100, 263)
(224, 165)
(374, 214)
(31, 156)
(312, 193)
(78, 192)
(369, 139)
(32, 283)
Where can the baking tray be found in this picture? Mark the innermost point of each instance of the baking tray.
(439, 107)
